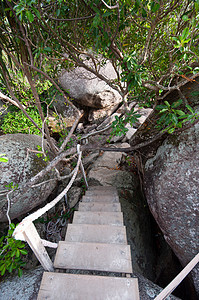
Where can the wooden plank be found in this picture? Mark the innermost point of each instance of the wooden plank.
(90, 194)
(96, 234)
(85, 287)
(102, 188)
(99, 206)
(101, 198)
(97, 192)
(94, 256)
(34, 241)
(100, 218)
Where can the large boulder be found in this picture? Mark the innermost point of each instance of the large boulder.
(171, 187)
(170, 168)
(87, 89)
(22, 165)
(25, 287)
(63, 116)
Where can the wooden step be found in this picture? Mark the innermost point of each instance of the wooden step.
(93, 256)
(102, 188)
(99, 206)
(101, 198)
(97, 192)
(84, 233)
(93, 193)
(87, 287)
(100, 218)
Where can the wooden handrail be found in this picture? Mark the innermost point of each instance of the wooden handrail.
(176, 281)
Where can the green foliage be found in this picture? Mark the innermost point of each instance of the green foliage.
(11, 252)
(148, 42)
(46, 157)
(118, 126)
(173, 118)
(3, 158)
(12, 186)
(17, 122)
(132, 71)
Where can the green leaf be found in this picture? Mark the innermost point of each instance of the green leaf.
(107, 14)
(190, 108)
(47, 49)
(23, 251)
(185, 33)
(174, 119)
(180, 112)
(37, 13)
(144, 13)
(175, 39)
(177, 103)
(12, 226)
(3, 159)
(185, 18)
(167, 104)
(171, 130)
(161, 106)
(155, 6)
(3, 271)
(196, 93)
(163, 110)
(17, 253)
(58, 12)
(13, 253)
(30, 16)
(10, 268)
(20, 272)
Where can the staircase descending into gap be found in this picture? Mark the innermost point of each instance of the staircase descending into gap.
(96, 243)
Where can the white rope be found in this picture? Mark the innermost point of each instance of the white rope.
(82, 167)
(18, 232)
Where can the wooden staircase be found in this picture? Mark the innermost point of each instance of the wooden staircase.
(95, 241)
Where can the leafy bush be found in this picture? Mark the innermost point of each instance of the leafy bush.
(118, 126)
(174, 118)
(11, 251)
(17, 122)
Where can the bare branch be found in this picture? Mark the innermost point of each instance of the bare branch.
(4, 97)
(71, 132)
(110, 7)
(74, 19)
(56, 85)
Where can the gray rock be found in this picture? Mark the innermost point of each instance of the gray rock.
(19, 169)
(90, 159)
(131, 131)
(107, 121)
(171, 187)
(148, 290)
(171, 175)
(67, 112)
(88, 89)
(25, 287)
(74, 195)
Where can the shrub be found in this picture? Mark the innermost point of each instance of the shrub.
(11, 251)
(17, 122)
